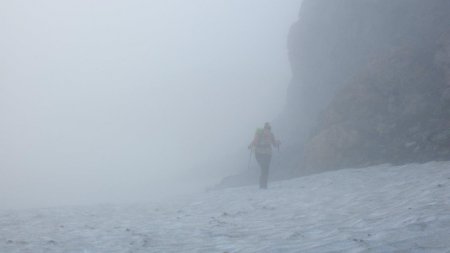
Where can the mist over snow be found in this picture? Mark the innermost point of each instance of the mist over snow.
(114, 101)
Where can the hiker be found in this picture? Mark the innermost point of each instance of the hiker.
(262, 145)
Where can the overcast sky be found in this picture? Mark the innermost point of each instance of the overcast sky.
(112, 101)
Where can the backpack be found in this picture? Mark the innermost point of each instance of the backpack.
(263, 144)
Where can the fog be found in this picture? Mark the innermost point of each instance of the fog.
(123, 101)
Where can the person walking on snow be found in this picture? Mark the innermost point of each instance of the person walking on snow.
(262, 145)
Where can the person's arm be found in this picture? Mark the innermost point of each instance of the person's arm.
(254, 141)
(275, 142)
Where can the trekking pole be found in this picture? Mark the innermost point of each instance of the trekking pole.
(250, 158)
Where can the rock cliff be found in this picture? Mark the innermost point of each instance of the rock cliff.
(370, 82)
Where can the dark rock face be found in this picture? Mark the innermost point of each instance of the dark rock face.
(371, 82)
(395, 114)
(334, 40)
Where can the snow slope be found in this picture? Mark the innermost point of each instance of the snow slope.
(377, 209)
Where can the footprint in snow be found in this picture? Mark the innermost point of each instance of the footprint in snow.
(268, 208)
(51, 242)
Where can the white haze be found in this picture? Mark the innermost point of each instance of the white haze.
(120, 101)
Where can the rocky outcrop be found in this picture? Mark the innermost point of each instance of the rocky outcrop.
(394, 113)
(371, 79)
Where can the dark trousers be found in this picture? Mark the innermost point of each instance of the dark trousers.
(264, 162)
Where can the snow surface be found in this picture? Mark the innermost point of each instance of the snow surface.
(376, 209)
